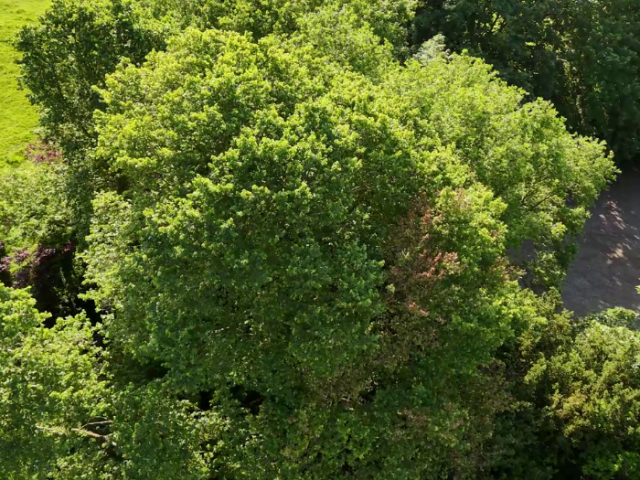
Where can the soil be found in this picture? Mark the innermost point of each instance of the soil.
(606, 271)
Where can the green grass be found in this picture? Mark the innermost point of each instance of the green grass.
(18, 119)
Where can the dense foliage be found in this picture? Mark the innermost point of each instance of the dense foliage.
(297, 237)
(584, 56)
(37, 239)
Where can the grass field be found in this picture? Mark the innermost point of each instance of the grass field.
(18, 118)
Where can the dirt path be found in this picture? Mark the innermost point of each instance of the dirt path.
(606, 271)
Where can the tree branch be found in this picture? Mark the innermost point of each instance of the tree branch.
(80, 431)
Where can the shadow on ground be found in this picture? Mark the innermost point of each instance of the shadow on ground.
(606, 271)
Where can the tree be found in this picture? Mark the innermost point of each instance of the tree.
(320, 233)
(575, 397)
(582, 56)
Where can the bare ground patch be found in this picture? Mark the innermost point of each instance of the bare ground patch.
(606, 271)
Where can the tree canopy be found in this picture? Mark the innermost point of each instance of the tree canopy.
(584, 56)
(296, 234)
